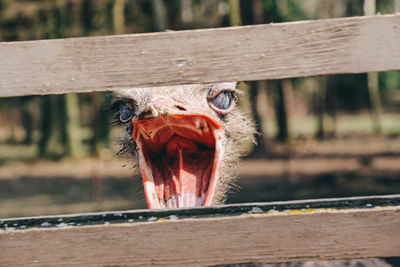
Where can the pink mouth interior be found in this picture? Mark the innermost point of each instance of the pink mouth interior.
(180, 152)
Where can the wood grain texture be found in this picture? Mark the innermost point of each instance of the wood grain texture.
(296, 235)
(274, 51)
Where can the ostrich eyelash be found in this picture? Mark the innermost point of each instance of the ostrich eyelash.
(115, 109)
(219, 88)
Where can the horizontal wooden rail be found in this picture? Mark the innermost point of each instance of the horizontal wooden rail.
(259, 232)
(273, 51)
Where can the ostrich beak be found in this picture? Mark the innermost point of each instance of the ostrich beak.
(180, 155)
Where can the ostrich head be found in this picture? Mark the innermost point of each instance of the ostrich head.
(187, 139)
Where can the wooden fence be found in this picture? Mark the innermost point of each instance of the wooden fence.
(273, 51)
(264, 232)
(261, 232)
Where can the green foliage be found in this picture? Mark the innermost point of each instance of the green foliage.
(389, 80)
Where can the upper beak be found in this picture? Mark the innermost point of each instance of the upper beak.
(153, 110)
(161, 107)
(150, 112)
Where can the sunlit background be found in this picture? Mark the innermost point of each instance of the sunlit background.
(320, 137)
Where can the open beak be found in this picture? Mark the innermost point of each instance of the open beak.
(180, 156)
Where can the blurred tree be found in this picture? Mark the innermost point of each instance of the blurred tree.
(99, 117)
(281, 89)
(331, 107)
(281, 108)
(159, 12)
(373, 83)
(234, 15)
(119, 16)
(53, 127)
(255, 89)
(75, 18)
(88, 10)
(60, 113)
(263, 11)
(1, 20)
(73, 139)
(375, 102)
(27, 119)
(187, 11)
(258, 12)
(256, 15)
(325, 96)
(319, 103)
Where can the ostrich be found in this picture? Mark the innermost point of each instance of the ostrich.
(187, 140)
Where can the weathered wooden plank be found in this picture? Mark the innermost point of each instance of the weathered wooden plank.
(274, 51)
(260, 232)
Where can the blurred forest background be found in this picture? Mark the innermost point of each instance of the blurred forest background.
(319, 136)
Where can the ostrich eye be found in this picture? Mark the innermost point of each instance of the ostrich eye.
(125, 112)
(223, 102)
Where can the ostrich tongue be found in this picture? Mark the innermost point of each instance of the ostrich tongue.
(181, 174)
(179, 159)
